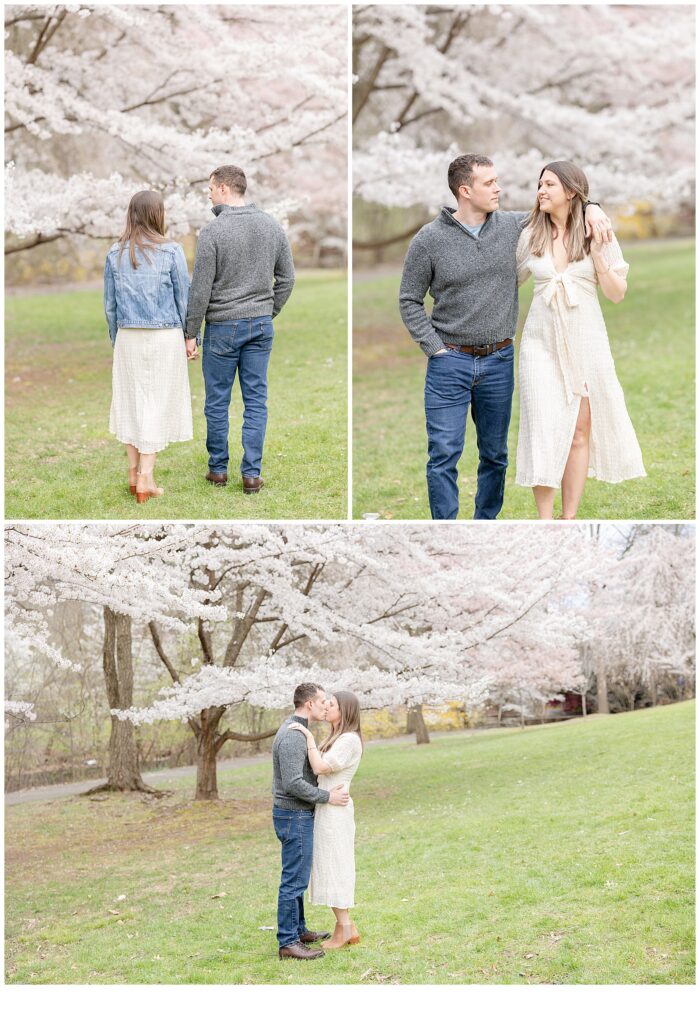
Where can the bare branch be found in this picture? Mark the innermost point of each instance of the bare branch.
(155, 635)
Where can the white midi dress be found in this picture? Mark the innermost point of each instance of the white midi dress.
(332, 882)
(151, 402)
(564, 357)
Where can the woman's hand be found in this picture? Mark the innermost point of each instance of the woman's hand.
(191, 348)
(301, 728)
(596, 247)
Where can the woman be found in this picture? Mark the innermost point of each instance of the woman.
(145, 296)
(573, 419)
(333, 865)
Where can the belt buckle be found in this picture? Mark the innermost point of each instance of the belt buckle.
(482, 350)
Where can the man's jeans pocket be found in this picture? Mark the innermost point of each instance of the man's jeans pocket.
(506, 354)
(283, 825)
(220, 339)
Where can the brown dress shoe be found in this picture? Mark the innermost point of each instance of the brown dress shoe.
(298, 951)
(314, 936)
(252, 484)
(218, 479)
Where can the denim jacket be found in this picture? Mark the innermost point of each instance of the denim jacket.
(153, 295)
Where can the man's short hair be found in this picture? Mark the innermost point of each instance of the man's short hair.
(231, 176)
(304, 692)
(461, 171)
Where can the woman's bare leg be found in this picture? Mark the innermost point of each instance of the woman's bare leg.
(576, 471)
(144, 480)
(544, 499)
(341, 916)
(147, 465)
(132, 455)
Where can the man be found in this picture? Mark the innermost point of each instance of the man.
(294, 797)
(465, 258)
(239, 256)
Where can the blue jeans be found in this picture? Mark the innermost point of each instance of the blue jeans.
(242, 345)
(295, 831)
(453, 382)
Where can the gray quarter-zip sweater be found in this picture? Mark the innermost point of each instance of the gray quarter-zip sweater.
(293, 782)
(243, 268)
(473, 281)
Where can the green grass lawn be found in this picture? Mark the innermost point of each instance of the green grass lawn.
(559, 854)
(652, 336)
(61, 461)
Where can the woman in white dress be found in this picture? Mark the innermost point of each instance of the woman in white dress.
(145, 296)
(332, 881)
(573, 418)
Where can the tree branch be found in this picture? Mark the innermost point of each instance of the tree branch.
(243, 737)
(242, 629)
(205, 642)
(155, 636)
(388, 241)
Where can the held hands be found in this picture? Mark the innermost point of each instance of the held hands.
(598, 226)
(339, 796)
(191, 348)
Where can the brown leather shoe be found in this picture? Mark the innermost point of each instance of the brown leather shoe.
(218, 479)
(252, 484)
(314, 936)
(298, 951)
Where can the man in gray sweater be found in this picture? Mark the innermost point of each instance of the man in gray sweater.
(465, 258)
(295, 794)
(243, 275)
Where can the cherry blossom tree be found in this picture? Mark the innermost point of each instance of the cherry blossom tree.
(609, 87)
(241, 614)
(641, 620)
(112, 567)
(103, 100)
(411, 610)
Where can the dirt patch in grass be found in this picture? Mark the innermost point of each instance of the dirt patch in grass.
(371, 345)
(105, 832)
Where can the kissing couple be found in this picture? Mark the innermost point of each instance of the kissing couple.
(243, 275)
(314, 820)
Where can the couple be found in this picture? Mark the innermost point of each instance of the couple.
(573, 419)
(243, 275)
(314, 819)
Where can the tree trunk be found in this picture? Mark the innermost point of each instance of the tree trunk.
(123, 774)
(583, 705)
(416, 723)
(206, 757)
(602, 691)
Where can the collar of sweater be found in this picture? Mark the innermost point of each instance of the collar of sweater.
(225, 208)
(300, 720)
(447, 214)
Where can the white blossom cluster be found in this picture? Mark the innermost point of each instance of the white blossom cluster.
(118, 566)
(157, 97)
(609, 87)
(419, 615)
(20, 709)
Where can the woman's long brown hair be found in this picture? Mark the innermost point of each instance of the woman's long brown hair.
(349, 707)
(145, 225)
(539, 223)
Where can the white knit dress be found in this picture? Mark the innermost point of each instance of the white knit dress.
(332, 881)
(564, 356)
(151, 403)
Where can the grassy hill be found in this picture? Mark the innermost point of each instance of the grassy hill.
(559, 854)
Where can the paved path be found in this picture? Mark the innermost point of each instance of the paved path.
(64, 790)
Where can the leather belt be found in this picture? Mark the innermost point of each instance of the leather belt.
(481, 350)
